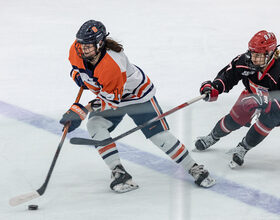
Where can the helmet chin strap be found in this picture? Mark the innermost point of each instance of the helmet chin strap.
(98, 48)
(94, 59)
(97, 51)
(268, 59)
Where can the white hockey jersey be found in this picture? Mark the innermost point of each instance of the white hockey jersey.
(113, 79)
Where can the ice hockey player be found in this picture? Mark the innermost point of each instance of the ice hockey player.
(100, 65)
(259, 70)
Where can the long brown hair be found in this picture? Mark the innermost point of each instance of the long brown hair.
(277, 54)
(110, 44)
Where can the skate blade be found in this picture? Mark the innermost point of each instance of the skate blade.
(233, 165)
(208, 182)
(125, 187)
(196, 150)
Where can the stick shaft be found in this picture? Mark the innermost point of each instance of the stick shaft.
(171, 111)
(35, 194)
(42, 189)
(111, 140)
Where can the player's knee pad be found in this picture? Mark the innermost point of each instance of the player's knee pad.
(164, 140)
(98, 126)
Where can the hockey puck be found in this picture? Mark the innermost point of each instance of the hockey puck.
(32, 207)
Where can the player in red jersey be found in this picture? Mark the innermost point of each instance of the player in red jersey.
(100, 65)
(259, 70)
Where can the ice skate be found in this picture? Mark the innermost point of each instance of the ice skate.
(201, 176)
(121, 180)
(204, 142)
(238, 154)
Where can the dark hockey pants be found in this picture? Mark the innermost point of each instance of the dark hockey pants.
(238, 118)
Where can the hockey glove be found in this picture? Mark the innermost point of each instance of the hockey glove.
(208, 89)
(74, 115)
(96, 105)
(256, 101)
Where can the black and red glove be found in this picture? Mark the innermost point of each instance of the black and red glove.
(208, 89)
(256, 101)
(74, 115)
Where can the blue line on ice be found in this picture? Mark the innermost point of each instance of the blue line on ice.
(225, 187)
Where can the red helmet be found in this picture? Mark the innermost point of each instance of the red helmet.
(262, 42)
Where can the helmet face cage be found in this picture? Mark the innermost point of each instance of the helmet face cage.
(91, 32)
(262, 42)
(79, 50)
(248, 56)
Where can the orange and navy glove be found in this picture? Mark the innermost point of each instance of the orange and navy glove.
(208, 89)
(74, 115)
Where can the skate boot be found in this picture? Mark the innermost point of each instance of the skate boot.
(201, 176)
(238, 156)
(202, 143)
(121, 180)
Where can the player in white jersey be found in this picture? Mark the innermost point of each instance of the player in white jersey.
(100, 65)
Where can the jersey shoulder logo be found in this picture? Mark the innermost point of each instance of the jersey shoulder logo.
(247, 73)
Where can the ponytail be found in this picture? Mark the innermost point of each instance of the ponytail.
(277, 54)
(110, 44)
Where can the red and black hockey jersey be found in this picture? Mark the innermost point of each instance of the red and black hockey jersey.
(254, 82)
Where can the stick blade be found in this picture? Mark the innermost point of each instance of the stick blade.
(85, 141)
(23, 198)
(81, 141)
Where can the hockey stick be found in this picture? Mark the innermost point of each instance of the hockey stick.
(84, 141)
(35, 194)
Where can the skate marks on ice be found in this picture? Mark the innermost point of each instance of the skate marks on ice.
(223, 186)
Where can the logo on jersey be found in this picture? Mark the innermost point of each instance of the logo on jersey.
(247, 73)
(257, 89)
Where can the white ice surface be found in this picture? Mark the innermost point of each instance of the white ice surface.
(179, 44)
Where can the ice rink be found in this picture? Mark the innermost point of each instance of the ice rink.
(178, 44)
